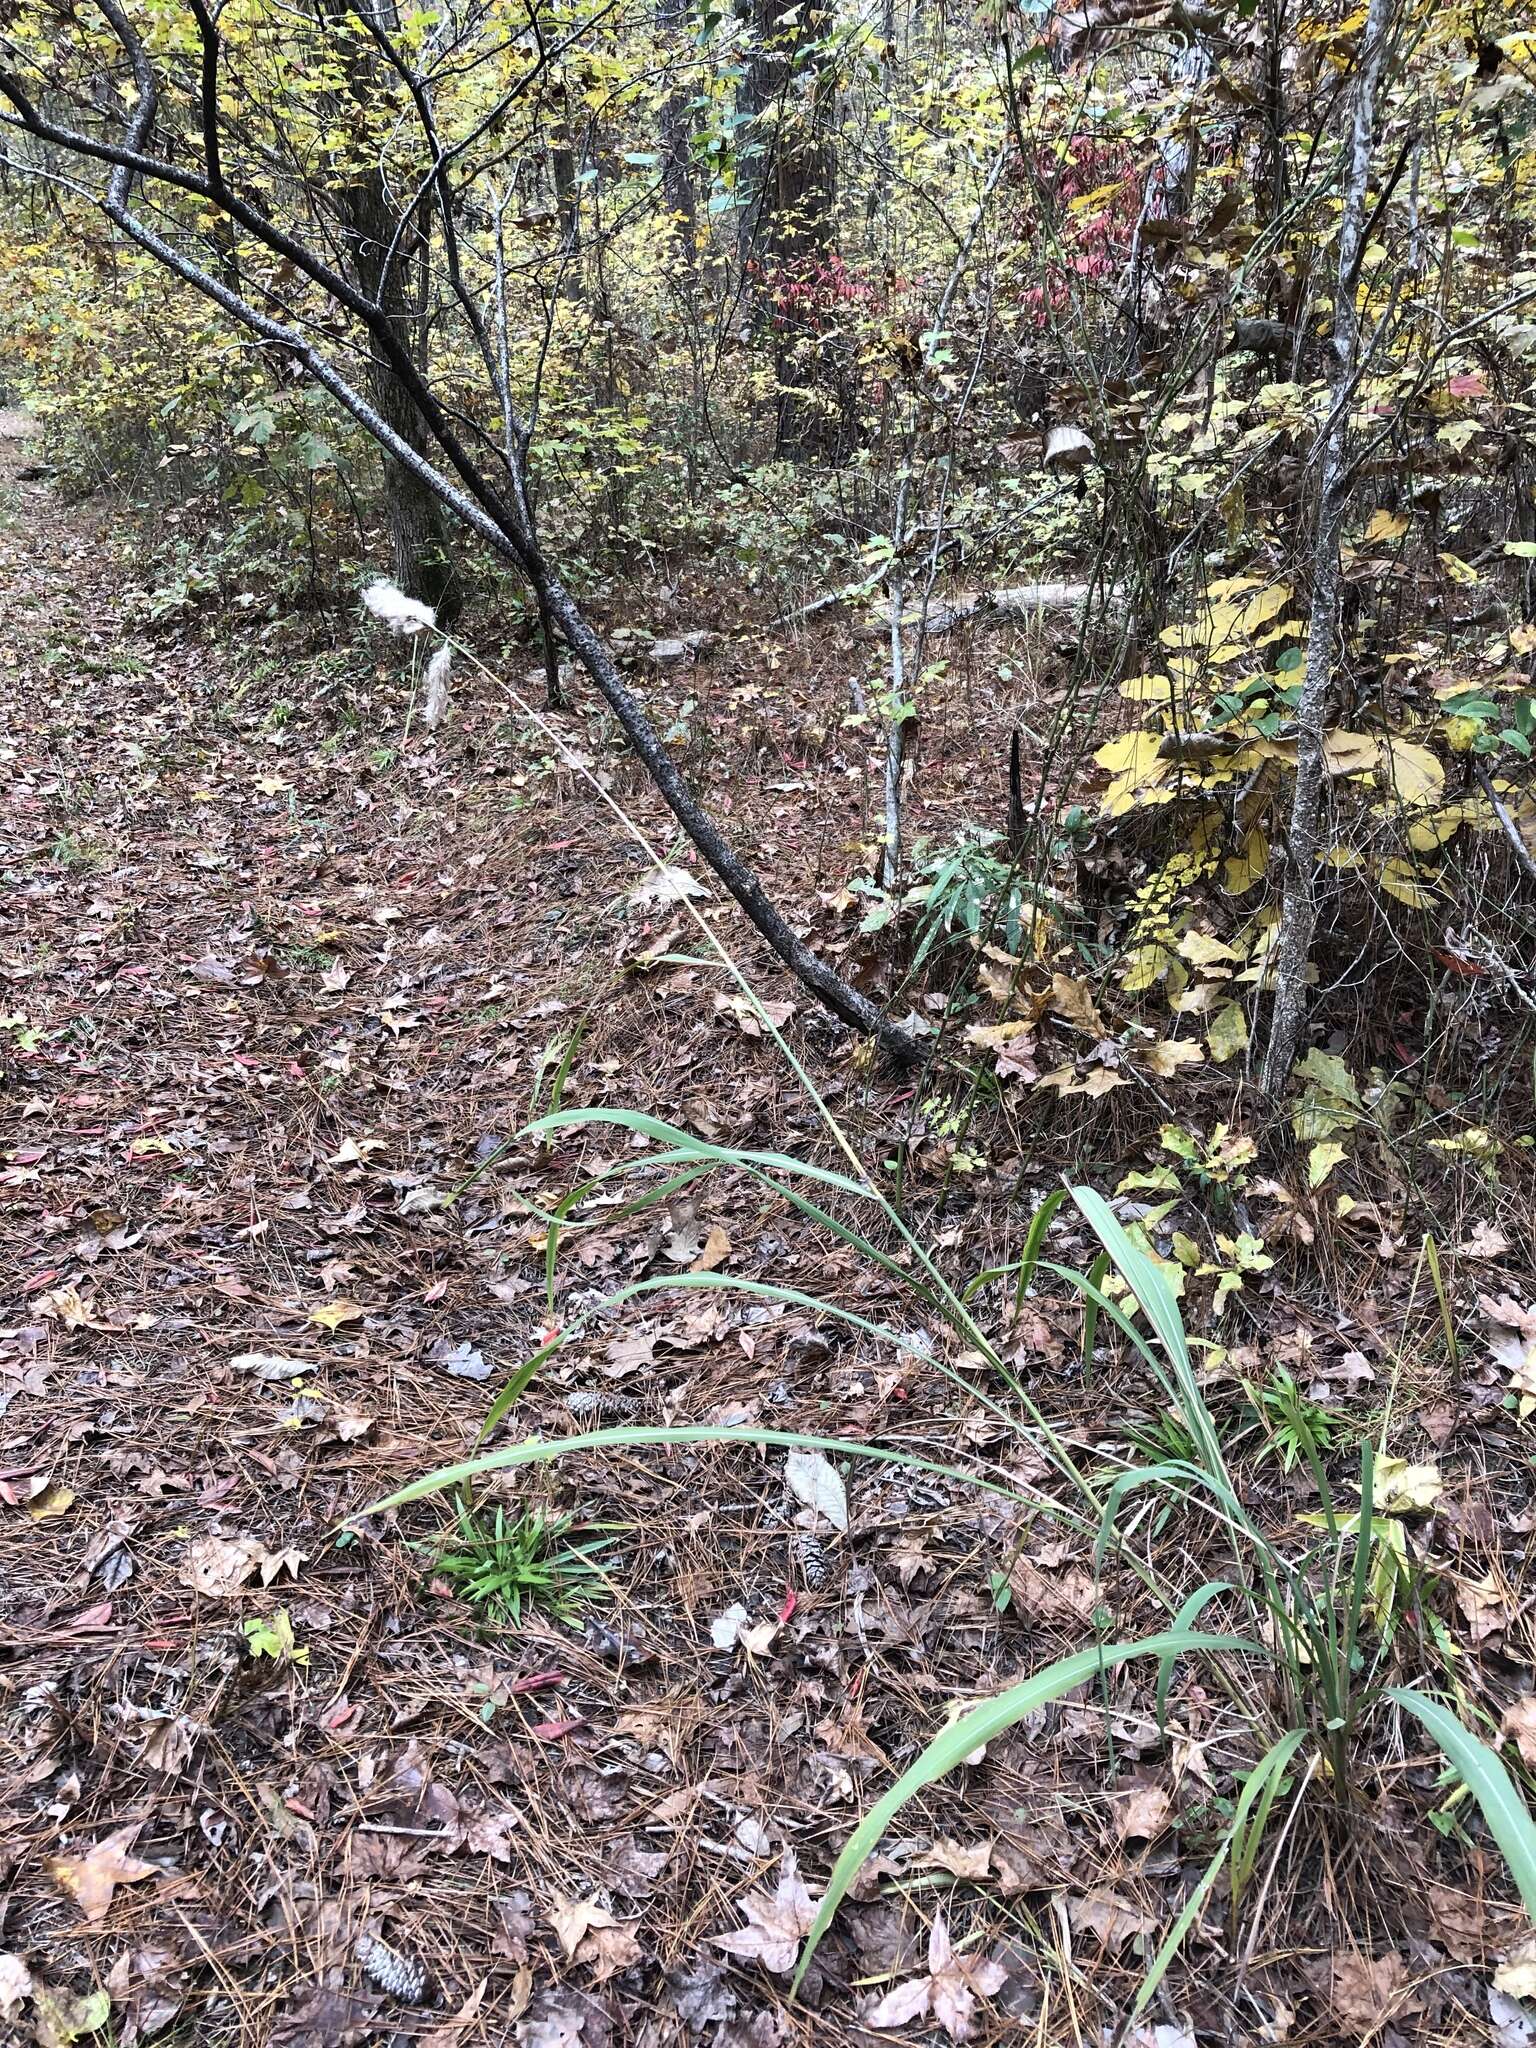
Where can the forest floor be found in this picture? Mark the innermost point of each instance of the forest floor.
(278, 1001)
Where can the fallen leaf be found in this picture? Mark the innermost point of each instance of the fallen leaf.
(961, 1859)
(574, 1919)
(1227, 1032)
(664, 886)
(60, 2018)
(266, 1365)
(1400, 1488)
(1169, 1054)
(1142, 1814)
(330, 1315)
(716, 1250)
(607, 1950)
(813, 1480)
(15, 1984)
(1363, 1992)
(218, 1566)
(725, 1628)
(1516, 1975)
(1519, 1726)
(949, 1991)
(1073, 1000)
(1323, 1157)
(776, 1923)
(92, 1877)
(1111, 1919)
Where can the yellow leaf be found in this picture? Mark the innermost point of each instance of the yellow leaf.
(1144, 967)
(1348, 753)
(1259, 610)
(1428, 834)
(1412, 771)
(53, 1500)
(1227, 1032)
(1322, 1159)
(1169, 1054)
(1242, 870)
(1137, 770)
(993, 1037)
(1148, 689)
(1201, 950)
(1399, 1488)
(1454, 567)
(1399, 879)
(330, 1315)
(1385, 525)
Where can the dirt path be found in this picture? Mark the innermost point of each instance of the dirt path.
(270, 997)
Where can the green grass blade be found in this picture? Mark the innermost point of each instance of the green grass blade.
(1029, 1258)
(544, 1450)
(1265, 1774)
(1186, 1618)
(1503, 1807)
(984, 1723)
(517, 1386)
(684, 1143)
(1161, 1310)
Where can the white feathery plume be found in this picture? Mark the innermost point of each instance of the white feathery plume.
(434, 696)
(400, 613)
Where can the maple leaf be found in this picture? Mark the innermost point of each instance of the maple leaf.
(776, 1922)
(92, 1877)
(949, 1991)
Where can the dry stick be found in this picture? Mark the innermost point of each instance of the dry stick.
(896, 738)
(506, 523)
(1510, 829)
(1299, 916)
(901, 720)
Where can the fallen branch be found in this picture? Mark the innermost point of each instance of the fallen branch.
(1023, 601)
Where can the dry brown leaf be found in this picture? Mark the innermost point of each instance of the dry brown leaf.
(1519, 1726)
(1364, 1992)
(93, 1876)
(949, 1991)
(15, 1984)
(1073, 1000)
(1516, 1975)
(1142, 1813)
(716, 1250)
(1109, 1917)
(776, 1922)
(574, 1920)
(608, 1950)
(961, 1859)
(218, 1566)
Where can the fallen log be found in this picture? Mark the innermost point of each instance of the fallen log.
(1023, 601)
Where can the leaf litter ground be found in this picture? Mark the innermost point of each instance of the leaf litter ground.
(277, 1010)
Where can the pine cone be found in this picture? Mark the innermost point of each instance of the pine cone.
(815, 1562)
(403, 1977)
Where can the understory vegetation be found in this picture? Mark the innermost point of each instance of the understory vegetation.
(771, 1023)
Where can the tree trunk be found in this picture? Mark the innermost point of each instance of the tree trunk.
(1298, 918)
(382, 260)
(790, 229)
(676, 157)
